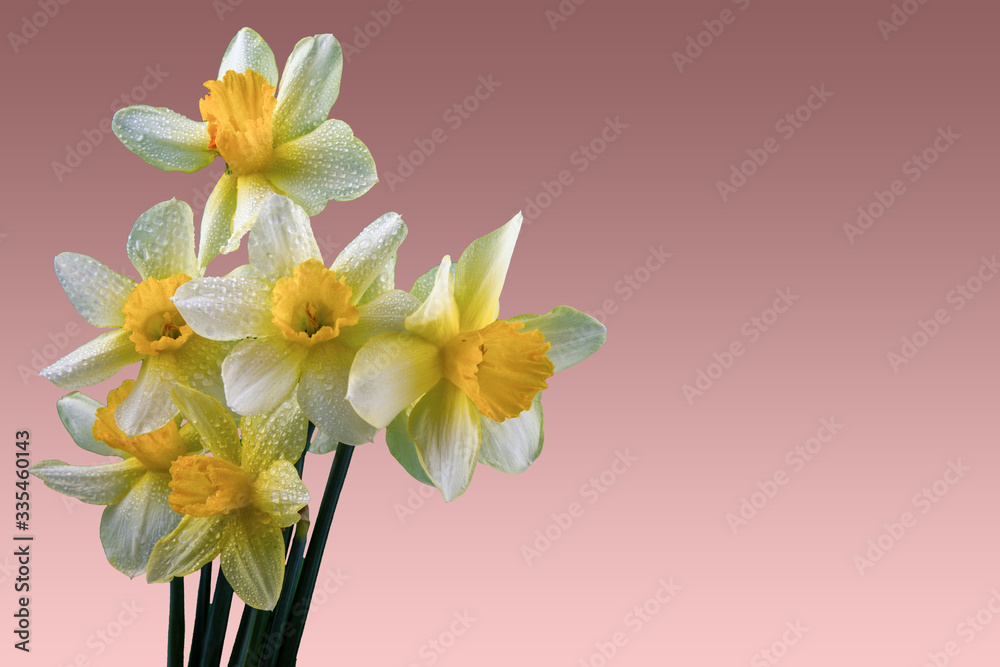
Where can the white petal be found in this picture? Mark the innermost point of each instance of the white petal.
(281, 239)
(574, 335)
(514, 444)
(444, 425)
(193, 543)
(248, 50)
(97, 292)
(251, 193)
(437, 319)
(391, 372)
(385, 314)
(164, 138)
(480, 275)
(217, 219)
(97, 485)
(260, 374)
(253, 560)
(226, 308)
(310, 84)
(243, 271)
(161, 243)
(366, 257)
(212, 422)
(279, 493)
(329, 163)
(384, 282)
(322, 443)
(423, 285)
(397, 437)
(148, 406)
(132, 526)
(275, 435)
(78, 413)
(199, 365)
(93, 362)
(195, 364)
(323, 395)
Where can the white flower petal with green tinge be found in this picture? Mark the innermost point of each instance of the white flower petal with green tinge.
(391, 372)
(397, 437)
(327, 164)
(148, 406)
(275, 435)
(161, 243)
(574, 335)
(385, 314)
(78, 412)
(199, 365)
(423, 285)
(243, 271)
(97, 292)
(164, 138)
(323, 394)
(226, 308)
(438, 319)
(212, 421)
(217, 219)
(366, 257)
(279, 493)
(93, 362)
(322, 443)
(131, 527)
(193, 543)
(281, 239)
(97, 485)
(253, 560)
(248, 50)
(444, 425)
(260, 374)
(251, 193)
(480, 275)
(384, 282)
(514, 444)
(310, 84)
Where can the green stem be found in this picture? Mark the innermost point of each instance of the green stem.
(255, 648)
(293, 568)
(251, 615)
(310, 567)
(218, 620)
(175, 627)
(201, 616)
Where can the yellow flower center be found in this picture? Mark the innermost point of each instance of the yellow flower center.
(312, 305)
(207, 486)
(239, 110)
(499, 367)
(152, 318)
(155, 450)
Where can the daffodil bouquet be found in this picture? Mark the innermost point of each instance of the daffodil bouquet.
(241, 375)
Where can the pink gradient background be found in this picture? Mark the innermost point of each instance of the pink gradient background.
(666, 516)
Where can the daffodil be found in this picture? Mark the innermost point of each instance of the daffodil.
(283, 144)
(134, 489)
(236, 501)
(461, 385)
(303, 322)
(147, 326)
